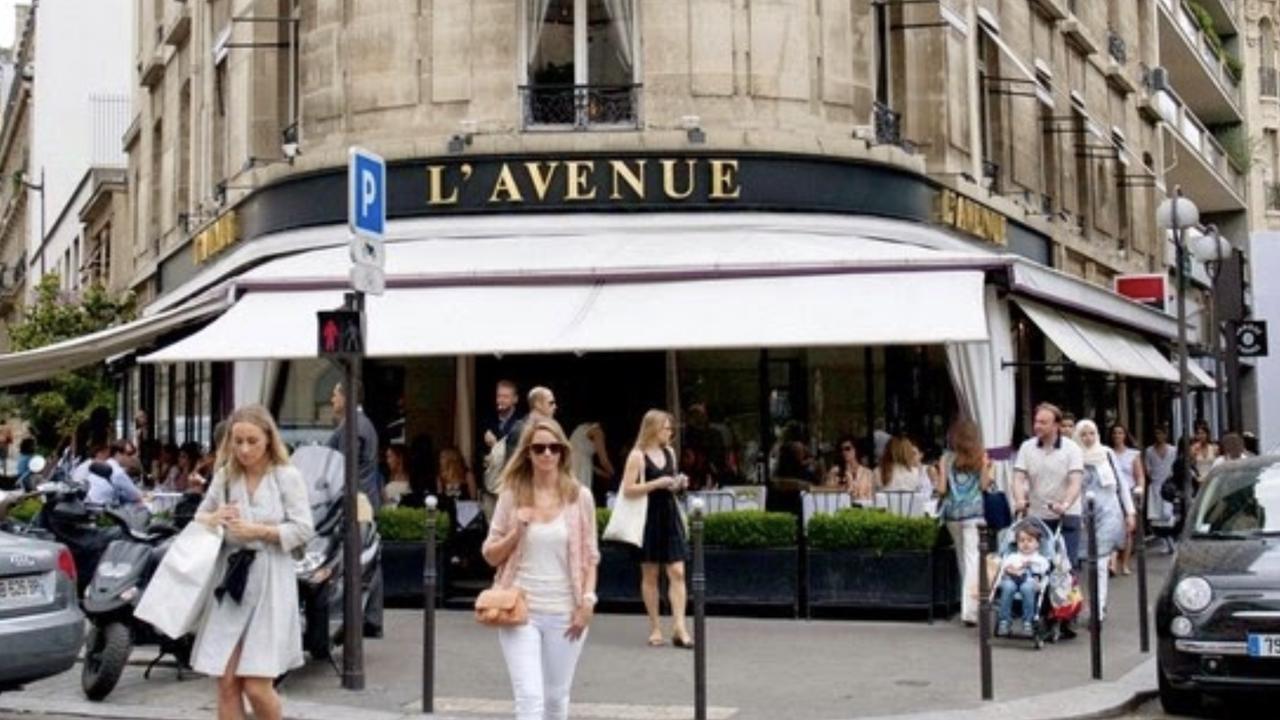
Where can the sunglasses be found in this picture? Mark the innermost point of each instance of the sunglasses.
(544, 448)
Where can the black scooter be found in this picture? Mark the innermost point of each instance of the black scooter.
(118, 583)
(320, 570)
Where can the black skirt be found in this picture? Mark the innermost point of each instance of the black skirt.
(664, 538)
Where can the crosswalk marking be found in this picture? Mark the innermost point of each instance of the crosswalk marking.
(598, 711)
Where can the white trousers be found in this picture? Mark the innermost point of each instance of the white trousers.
(1103, 579)
(541, 661)
(964, 535)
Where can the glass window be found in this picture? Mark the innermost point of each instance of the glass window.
(720, 398)
(581, 66)
(1242, 502)
(305, 414)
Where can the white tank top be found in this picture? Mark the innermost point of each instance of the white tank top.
(544, 568)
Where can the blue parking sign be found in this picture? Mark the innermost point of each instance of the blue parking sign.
(367, 193)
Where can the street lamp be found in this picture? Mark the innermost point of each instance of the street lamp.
(39, 188)
(1175, 214)
(1210, 248)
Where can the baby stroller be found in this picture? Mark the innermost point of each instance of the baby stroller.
(1057, 598)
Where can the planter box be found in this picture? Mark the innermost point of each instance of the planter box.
(756, 577)
(618, 576)
(924, 580)
(402, 571)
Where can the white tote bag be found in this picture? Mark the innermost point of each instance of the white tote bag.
(626, 523)
(181, 584)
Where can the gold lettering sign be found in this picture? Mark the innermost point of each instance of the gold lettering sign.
(973, 218)
(216, 237)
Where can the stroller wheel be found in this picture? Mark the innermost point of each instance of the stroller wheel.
(1039, 642)
(1056, 634)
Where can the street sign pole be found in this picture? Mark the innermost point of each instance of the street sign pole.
(367, 219)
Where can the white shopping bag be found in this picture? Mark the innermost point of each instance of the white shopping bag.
(181, 584)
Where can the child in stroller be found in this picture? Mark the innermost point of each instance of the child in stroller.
(1023, 567)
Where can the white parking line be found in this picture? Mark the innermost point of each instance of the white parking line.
(598, 711)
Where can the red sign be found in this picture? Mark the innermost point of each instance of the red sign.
(1146, 289)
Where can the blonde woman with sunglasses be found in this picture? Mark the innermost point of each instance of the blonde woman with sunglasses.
(543, 540)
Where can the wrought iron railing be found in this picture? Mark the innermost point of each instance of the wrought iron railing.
(1116, 47)
(1273, 195)
(581, 107)
(1268, 82)
(888, 124)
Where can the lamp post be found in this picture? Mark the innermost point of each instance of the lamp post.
(1175, 214)
(37, 188)
(1210, 248)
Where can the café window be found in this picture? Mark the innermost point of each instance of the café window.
(581, 61)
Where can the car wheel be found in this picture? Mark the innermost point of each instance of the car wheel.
(1175, 701)
(106, 653)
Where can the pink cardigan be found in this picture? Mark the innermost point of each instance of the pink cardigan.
(584, 550)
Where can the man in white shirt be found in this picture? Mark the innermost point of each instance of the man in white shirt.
(1047, 476)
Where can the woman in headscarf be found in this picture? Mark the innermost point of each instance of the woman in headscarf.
(1113, 502)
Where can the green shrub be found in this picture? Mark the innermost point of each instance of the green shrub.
(25, 511)
(397, 524)
(871, 530)
(744, 529)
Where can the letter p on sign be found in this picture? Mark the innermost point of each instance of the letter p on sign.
(367, 194)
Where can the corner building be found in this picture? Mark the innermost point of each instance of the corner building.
(780, 219)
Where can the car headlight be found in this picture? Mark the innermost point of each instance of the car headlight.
(1192, 594)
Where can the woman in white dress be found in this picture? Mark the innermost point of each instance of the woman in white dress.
(1159, 459)
(1129, 464)
(250, 633)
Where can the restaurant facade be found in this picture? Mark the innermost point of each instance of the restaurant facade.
(774, 233)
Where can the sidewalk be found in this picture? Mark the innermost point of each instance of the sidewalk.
(757, 670)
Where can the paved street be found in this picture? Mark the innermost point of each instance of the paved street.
(758, 670)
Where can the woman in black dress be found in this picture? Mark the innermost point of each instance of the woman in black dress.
(651, 469)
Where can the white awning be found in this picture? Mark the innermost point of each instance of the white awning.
(867, 308)
(45, 362)
(1054, 286)
(1095, 346)
(1199, 376)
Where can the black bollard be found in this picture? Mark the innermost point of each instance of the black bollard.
(699, 580)
(1140, 547)
(1091, 566)
(429, 576)
(984, 612)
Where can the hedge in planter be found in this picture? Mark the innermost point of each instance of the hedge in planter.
(873, 559)
(404, 548)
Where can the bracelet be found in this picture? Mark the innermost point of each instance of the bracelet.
(590, 599)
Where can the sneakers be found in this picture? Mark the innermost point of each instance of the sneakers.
(1003, 628)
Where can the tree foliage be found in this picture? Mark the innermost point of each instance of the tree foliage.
(56, 315)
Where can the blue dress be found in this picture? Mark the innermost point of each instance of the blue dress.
(664, 540)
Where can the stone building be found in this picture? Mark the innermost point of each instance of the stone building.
(15, 141)
(1007, 155)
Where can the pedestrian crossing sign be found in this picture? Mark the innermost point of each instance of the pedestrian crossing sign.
(339, 333)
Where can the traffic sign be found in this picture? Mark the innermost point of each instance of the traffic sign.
(367, 251)
(367, 193)
(368, 279)
(338, 333)
(1251, 338)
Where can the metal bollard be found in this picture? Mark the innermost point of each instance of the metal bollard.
(1092, 563)
(429, 576)
(1140, 547)
(698, 579)
(984, 612)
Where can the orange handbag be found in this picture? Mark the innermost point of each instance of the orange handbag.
(501, 606)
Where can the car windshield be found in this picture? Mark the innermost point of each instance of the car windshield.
(1241, 502)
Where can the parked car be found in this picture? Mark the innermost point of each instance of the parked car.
(41, 625)
(1218, 616)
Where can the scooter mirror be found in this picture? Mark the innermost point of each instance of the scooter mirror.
(36, 464)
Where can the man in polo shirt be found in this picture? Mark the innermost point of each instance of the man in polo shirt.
(1047, 477)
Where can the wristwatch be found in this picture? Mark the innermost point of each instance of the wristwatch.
(590, 599)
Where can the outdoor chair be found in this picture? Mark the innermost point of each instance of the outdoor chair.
(713, 501)
(823, 503)
(906, 503)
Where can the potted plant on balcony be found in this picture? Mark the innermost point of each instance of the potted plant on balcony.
(404, 549)
(876, 560)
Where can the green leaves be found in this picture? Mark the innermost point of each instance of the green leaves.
(871, 530)
(409, 524)
(750, 529)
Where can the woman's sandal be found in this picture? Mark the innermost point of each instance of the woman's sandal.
(679, 642)
(656, 641)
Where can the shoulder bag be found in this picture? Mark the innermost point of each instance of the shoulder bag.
(176, 594)
(501, 607)
(626, 522)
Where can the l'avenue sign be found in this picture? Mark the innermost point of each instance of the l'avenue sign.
(579, 181)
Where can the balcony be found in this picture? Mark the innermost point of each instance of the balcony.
(1197, 161)
(177, 24)
(580, 107)
(1225, 14)
(1194, 66)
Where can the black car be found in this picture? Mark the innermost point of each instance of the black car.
(1218, 616)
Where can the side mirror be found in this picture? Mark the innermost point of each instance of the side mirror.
(37, 464)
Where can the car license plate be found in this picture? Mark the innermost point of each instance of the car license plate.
(21, 588)
(1264, 645)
